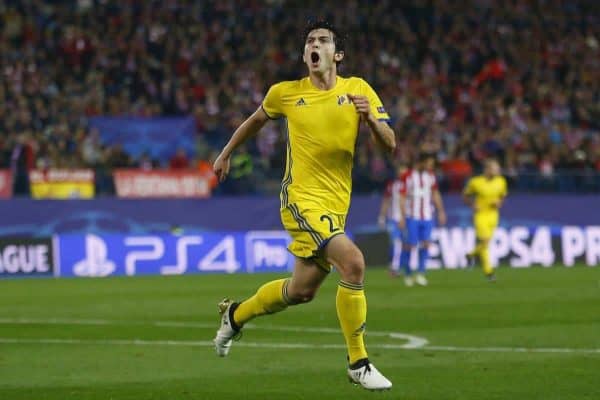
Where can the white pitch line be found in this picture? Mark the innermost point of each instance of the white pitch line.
(140, 342)
(512, 349)
(411, 340)
(200, 343)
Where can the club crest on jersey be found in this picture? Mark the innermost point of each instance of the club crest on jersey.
(300, 102)
(343, 99)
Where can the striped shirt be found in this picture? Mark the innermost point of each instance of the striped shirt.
(418, 187)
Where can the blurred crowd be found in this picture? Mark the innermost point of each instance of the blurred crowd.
(518, 80)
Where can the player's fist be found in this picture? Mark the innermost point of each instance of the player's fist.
(221, 166)
(361, 103)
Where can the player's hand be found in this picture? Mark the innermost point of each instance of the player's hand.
(221, 166)
(442, 218)
(361, 103)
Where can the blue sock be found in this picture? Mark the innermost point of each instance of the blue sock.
(423, 256)
(405, 261)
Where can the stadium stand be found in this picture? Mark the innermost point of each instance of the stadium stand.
(464, 80)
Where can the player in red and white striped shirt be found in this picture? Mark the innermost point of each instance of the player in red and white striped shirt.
(390, 215)
(419, 195)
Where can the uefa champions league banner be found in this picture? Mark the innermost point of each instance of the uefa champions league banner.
(243, 234)
(99, 255)
(161, 137)
(266, 251)
(42, 218)
(20, 257)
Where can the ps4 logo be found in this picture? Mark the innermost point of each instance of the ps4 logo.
(96, 262)
(165, 254)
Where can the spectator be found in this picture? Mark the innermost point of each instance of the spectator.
(179, 160)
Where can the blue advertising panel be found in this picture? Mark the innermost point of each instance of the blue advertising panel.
(94, 255)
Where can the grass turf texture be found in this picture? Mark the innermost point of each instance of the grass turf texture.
(534, 308)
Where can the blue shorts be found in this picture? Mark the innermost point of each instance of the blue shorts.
(393, 229)
(418, 231)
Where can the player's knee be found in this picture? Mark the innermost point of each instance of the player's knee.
(354, 268)
(302, 295)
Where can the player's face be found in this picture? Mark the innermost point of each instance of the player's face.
(319, 51)
(492, 168)
(429, 164)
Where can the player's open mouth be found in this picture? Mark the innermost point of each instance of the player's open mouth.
(314, 58)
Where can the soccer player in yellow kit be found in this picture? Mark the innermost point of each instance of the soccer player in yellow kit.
(485, 194)
(323, 112)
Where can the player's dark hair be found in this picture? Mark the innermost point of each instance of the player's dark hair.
(339, 37)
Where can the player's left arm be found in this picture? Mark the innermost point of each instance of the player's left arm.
(439, 206)
(503, 194)
(372, 112)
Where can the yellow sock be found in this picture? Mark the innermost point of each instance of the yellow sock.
(351, 305)
(268, 299)
(486, 264)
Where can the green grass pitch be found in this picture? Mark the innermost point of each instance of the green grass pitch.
(535, 334)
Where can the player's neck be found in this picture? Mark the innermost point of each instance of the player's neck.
(325, 80)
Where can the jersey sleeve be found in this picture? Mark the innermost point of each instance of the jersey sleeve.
(272, 102)
(376, 104)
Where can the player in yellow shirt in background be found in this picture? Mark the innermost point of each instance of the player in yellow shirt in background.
(485, 194)
(322, 112)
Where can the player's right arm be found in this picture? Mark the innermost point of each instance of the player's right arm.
(502, 195)
(269, 109)
(469, 194)
(247, 129)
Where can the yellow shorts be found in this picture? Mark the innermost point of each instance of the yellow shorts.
(485, 224)
(311, 230)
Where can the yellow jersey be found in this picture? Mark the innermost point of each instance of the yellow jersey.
(322, 127)
(487, 192)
